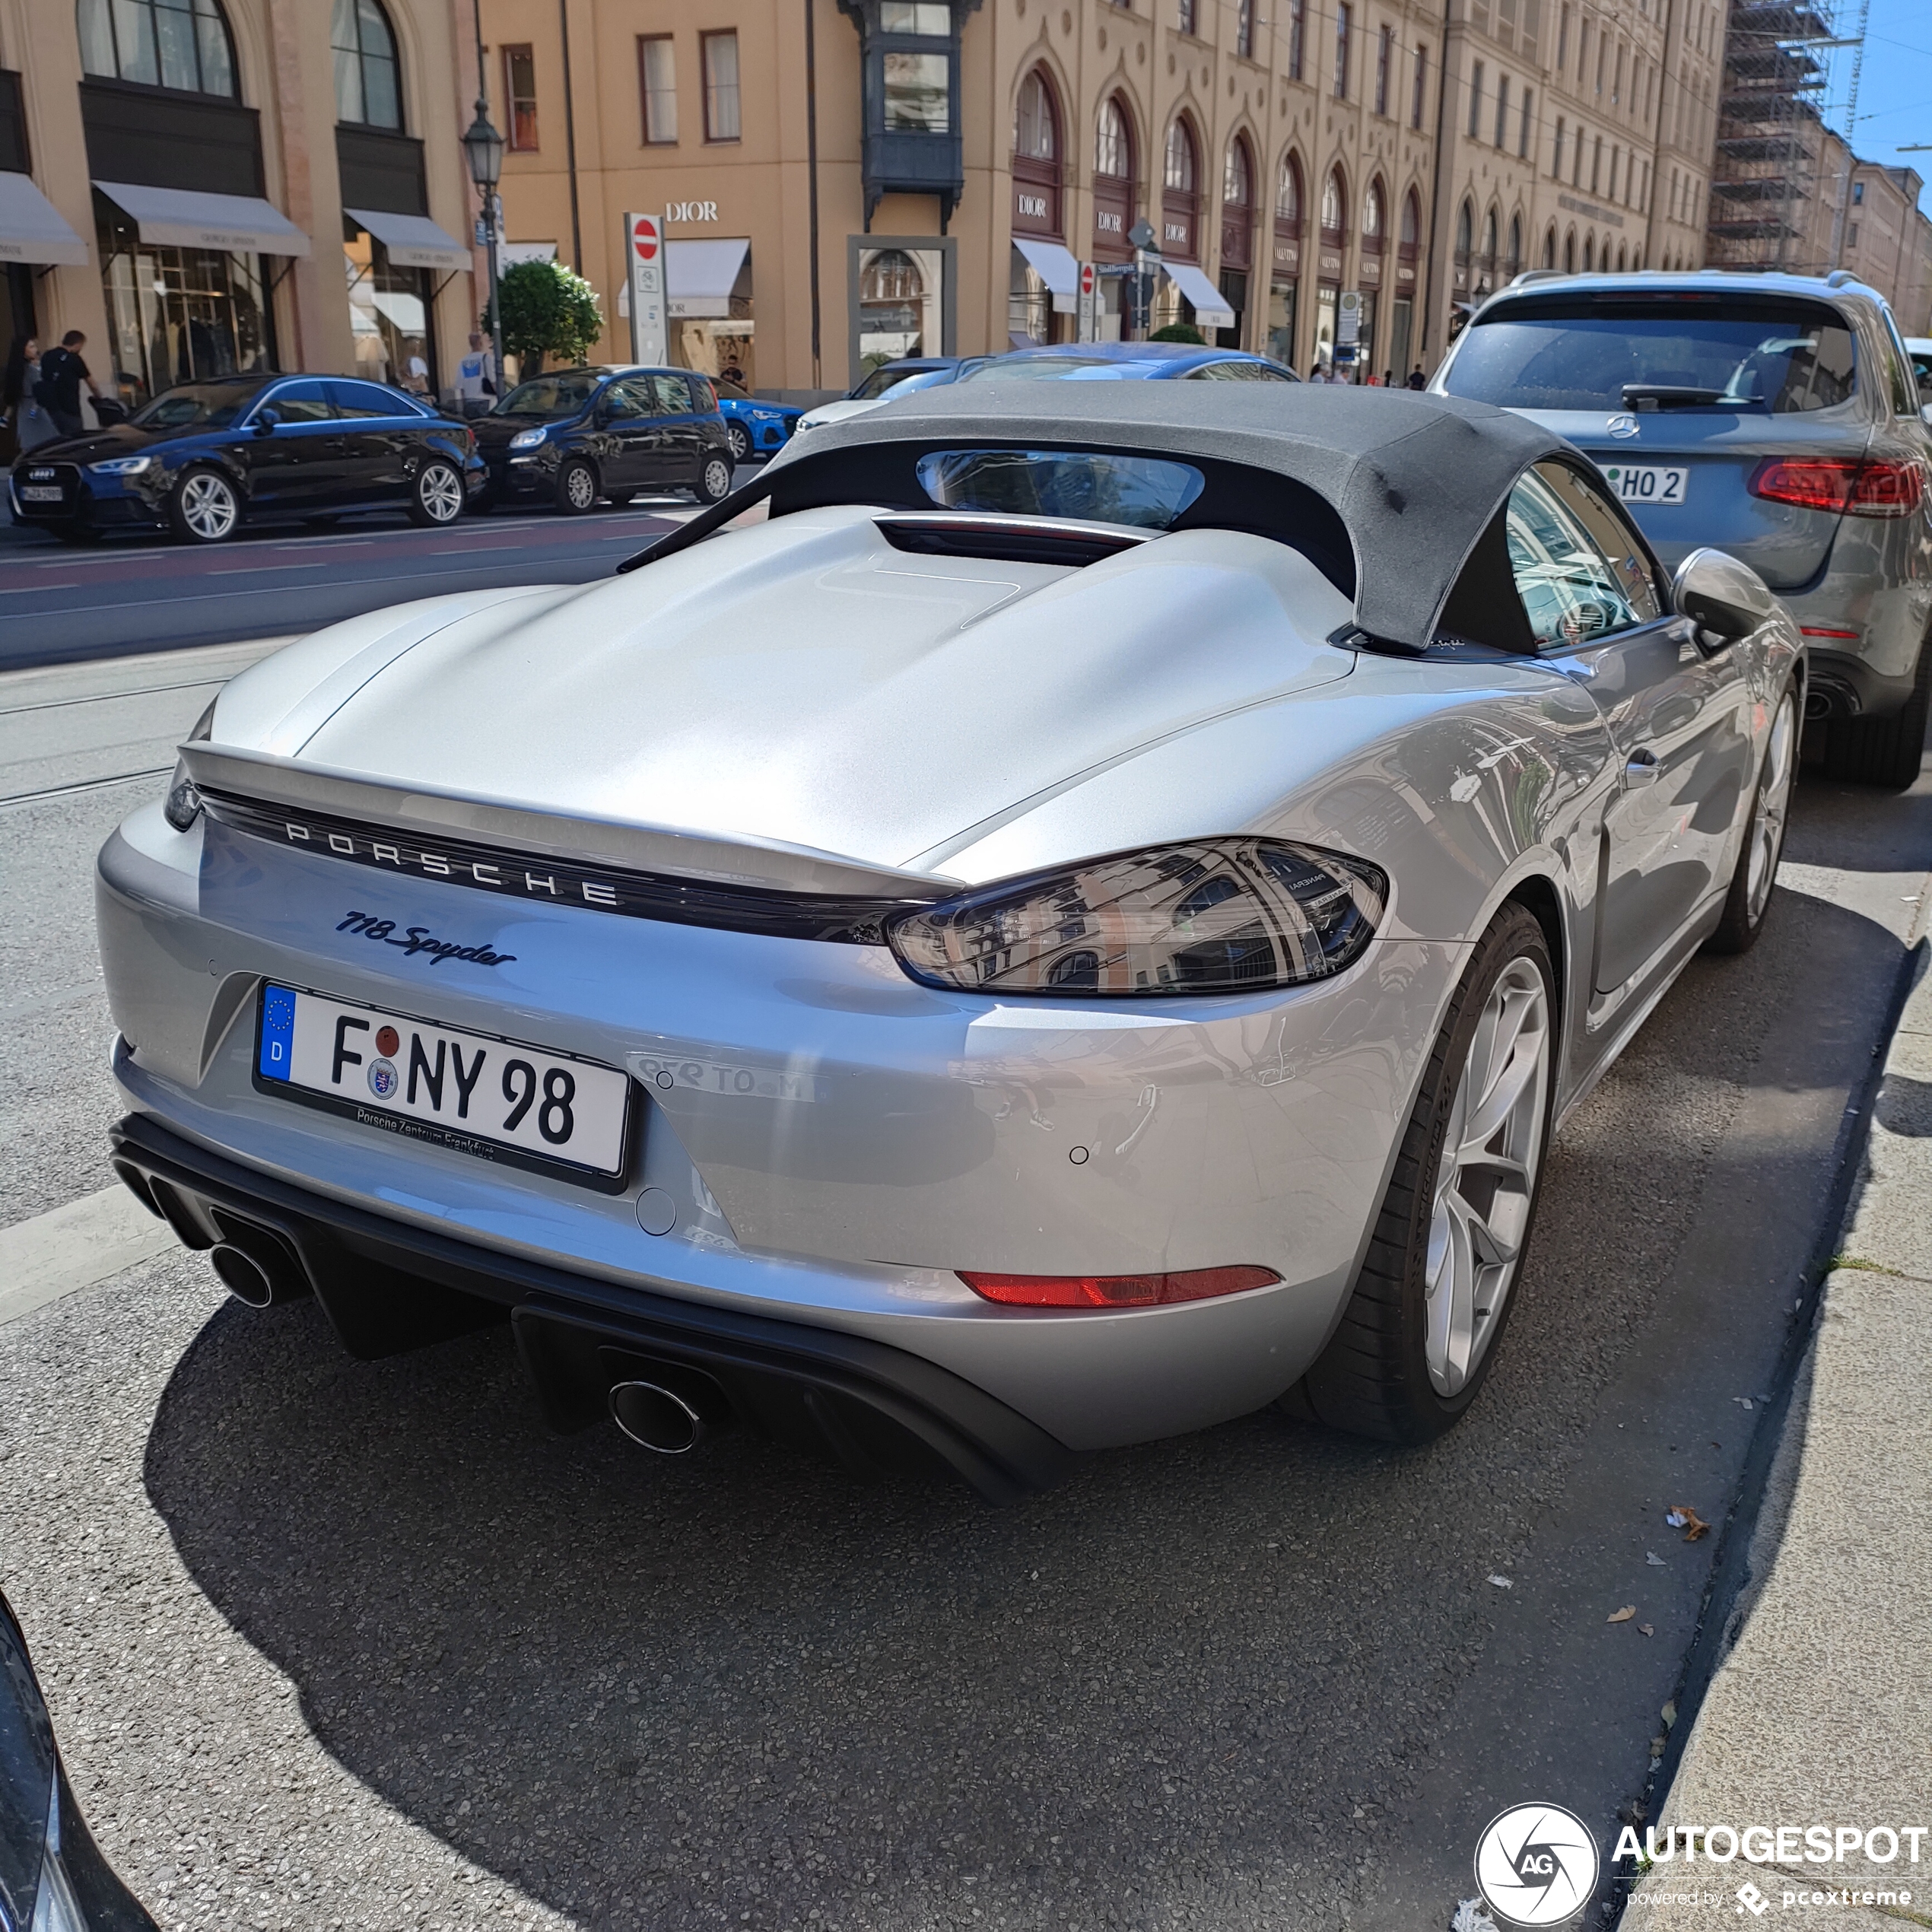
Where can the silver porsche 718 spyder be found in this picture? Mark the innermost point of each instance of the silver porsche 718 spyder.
(1078, 925)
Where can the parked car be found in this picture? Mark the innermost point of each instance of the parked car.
(754, 426)
(1776, 417)
(52, 1877)
(875, 385)
(1023, 950)
(1110, 362)
(207, 458)
(575, 435)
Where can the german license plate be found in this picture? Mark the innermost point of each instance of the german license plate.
(498, 1099)
(41, 492)
(1647, 482)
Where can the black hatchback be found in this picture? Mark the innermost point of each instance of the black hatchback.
(578, 434)
(204, 458)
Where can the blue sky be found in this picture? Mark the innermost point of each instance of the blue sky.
(1894, 89)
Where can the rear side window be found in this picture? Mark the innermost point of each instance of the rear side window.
(703, 397)
(1148, 491)
(1609, 530)
(366, 400)
(668, 396)
(301, 402)
(1572, 592)
(1660, 352)
(1904, 379)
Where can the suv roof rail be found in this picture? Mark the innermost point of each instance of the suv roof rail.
(1528, 275)
(1838, 277)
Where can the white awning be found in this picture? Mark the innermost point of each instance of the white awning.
(699, 277)
(414, 241)
(1210, 305)
(31, 229)
(182, 218)
(1057, 268)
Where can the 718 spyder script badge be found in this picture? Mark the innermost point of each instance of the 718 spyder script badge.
(417, 938)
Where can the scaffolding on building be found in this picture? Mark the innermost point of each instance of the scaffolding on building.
(1770, 166)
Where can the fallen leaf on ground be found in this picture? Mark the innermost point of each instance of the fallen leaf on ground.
(1652, 1557)
(1669, 1713)
(1623, 1616)
(1648, 1629)
(1684, 1518)
(1657, 1744)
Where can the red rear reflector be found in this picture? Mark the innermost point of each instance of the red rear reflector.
(1819, 631)
(1882, 487)
(1116, 1291)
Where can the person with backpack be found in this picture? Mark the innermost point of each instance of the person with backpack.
(58, 390)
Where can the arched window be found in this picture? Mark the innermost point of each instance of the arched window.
(1513, 261)
(1621, 258)
(1372, 221)
(1489, 241)
(1550, 247)
(1288, 197)
(1113, 180)
(1465, 230)
(1570, 252)
(183, 44)
(368, 80)
(1237, 207)
(1334, 207)
(1589, 254)
(1180, 200)
(1037, 147)
(1412, 223)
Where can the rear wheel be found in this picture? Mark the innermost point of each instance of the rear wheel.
(713, 482)
(436, 499)
(1884, 751)
(1750, 898)
(1417, 1338)
(577, 486)
(204, 507)
(741, 444)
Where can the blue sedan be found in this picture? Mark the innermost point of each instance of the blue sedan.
(756, 428)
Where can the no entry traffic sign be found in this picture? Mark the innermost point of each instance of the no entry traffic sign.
(644, 235)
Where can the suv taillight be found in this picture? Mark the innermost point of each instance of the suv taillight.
(1884, 486)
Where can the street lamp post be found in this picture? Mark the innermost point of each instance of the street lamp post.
(483, 149)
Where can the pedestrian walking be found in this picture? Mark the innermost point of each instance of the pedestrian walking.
(473, 388)
(58, 392)
(415, 371)
(1417, 380)
(30, 423)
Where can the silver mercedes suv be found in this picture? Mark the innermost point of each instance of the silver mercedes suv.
(1774, 417)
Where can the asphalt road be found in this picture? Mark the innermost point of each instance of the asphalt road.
(59, 604)
(337, 1644)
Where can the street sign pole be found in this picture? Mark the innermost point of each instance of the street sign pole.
(643, 242)
(1089, 303)
(1145, 256)
(1347, 329)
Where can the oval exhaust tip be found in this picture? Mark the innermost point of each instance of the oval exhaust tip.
(243, 1276)
(656, 1419)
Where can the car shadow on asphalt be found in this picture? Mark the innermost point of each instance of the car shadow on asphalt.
(1198, 1683)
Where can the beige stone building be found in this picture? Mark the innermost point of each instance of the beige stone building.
(969, 154)
(206, 185)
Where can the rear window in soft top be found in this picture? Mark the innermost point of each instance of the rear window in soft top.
(1674, 350)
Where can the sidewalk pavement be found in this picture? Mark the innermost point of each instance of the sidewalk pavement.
(1820, 1710)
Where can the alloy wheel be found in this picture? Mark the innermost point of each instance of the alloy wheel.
(1773, 808)
(717, 478)
(209, 506)
(580, 487)
(439, 490)
(1486, 1182)
(741, 444)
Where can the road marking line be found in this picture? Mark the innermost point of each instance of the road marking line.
(70, 1248)
(256, 570)
(46, 590)
(108, 696)
(86, 785)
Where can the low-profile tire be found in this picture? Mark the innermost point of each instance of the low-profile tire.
(577, 486)
(204, 507)
(1885, 752)
(713, 483)
(436, 495)
(740, 440)
(1748, 900)
(1416, 1341)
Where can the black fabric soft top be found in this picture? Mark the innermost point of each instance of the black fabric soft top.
(1414, 479)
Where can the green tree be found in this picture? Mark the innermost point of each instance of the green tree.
(1179, 332)
(547, 309)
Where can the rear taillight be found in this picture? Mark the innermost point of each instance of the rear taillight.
(1116, 1291)
(1884, 486)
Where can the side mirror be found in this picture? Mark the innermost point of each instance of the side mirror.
(1720, 594)
(266, 417)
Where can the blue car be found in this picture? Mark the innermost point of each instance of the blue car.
(756, 428)
(1113, 362)
(208, 458)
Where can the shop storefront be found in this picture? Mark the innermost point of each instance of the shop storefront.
(902, 298)
(395, 264)
(708, 304)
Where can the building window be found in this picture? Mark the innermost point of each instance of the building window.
(1288, 197)
(1180, 198)
(1343, 14)
(368, 90)
(1334, 202)
(1562, 41)
(1616, 80)
(1113, 154)
(1475, 99)
(1523, 134)
(719, 53)
(1184, 15)
(1244, 30)
(1418, 94)
(1513, 261)
(1557, 152)
(519, 89)
(1036, 157)
(1113, 173)
(931, 18)
(918, 87)
(1502, 110)
(1549, 246)
(1297, 23)
(1384, 56)
(1371, 219)
(159, 43)
(657, 85)
(1851, 236)
(1238, 176)
(1857, 194)
(1597, 165)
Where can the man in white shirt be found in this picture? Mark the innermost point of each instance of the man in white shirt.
(473, 385)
